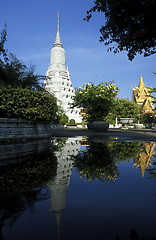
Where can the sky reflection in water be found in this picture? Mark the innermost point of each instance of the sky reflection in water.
(99, 190)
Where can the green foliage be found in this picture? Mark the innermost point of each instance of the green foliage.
(13, 72)
(63, 118)
(128, 24)
(122, 108)
(16, 74)
(72, 122)
(153, 91)
(148, 118)
(28, 104)
(97, 99)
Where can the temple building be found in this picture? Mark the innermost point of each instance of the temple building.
(58, 80)
(141, 96)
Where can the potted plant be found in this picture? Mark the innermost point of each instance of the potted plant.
(97, 100)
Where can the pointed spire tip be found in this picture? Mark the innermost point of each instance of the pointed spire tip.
(58, 42)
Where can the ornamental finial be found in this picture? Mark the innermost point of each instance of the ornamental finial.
(58, 42)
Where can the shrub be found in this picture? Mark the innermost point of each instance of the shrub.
(122, 108)
(72, 122)
(96, 99)
(63, 118)
(29, 104)
(148, 118)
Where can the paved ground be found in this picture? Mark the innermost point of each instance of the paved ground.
(121, 134)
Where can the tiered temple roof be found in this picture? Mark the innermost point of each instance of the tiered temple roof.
(141, 95)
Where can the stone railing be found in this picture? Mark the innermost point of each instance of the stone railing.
(13, 129)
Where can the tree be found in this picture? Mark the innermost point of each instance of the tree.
(123, 108)
(16, 74)
(96, 99)
(13, 72)
(129, 24)
(63, 118)
(3, 51)
(153, 91)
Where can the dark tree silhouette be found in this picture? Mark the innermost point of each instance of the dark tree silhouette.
(129, 25)
(13, 72)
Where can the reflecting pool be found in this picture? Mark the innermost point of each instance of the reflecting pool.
(78, 188)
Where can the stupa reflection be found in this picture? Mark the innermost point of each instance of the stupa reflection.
(59, 185)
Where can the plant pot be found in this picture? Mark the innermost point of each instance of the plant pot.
(90, 126)
(100, 126)
(139, 126)
(126, 120)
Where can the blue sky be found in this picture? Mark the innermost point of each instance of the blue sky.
(31, 34)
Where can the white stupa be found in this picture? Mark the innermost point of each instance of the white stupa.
(58, 79)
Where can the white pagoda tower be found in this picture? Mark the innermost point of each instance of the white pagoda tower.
(58, 79)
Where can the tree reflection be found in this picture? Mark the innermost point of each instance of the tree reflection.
(13, 206)
(136, 236)
(100, 159)
(21, 185)
(35, 171)
(124, 151)
(96, 162)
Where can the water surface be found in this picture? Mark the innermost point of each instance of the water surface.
(80, 189)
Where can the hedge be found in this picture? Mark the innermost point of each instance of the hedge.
(29, 104)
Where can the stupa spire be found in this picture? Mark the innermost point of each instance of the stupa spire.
(58, 42)
(141, 82)
(58, 78)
